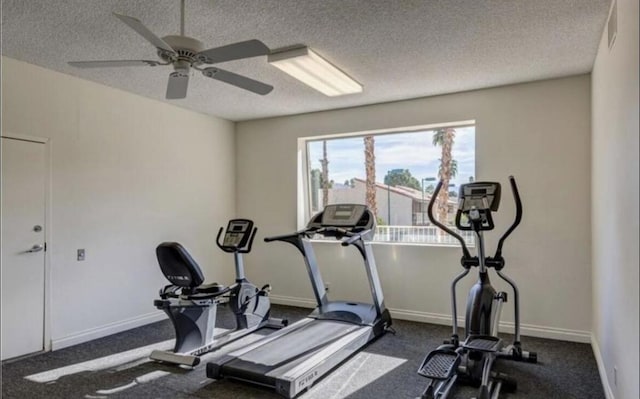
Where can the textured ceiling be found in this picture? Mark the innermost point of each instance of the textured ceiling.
(398, 49)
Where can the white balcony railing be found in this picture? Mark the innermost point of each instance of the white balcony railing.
(420, 235)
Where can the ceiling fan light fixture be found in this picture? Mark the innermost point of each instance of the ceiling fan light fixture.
(184, 53)
(311, 69)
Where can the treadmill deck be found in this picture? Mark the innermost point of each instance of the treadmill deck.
(292, 359)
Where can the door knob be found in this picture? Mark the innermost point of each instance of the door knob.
(35, 248)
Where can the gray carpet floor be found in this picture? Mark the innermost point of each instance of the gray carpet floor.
(117, 367)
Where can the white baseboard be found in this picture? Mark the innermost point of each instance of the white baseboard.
(292, 301)
(423, 317)
(505, 326)
(445, 319)
(107, 329)
(608, 392)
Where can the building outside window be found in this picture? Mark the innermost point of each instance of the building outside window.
(394, 174)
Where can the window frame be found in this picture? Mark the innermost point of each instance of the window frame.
(304, 211)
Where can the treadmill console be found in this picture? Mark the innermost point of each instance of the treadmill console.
(336, 219)
(342, 215)
(237, 234)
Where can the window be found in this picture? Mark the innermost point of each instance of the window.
(394, 174)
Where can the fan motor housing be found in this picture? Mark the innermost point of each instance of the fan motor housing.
(185, 47)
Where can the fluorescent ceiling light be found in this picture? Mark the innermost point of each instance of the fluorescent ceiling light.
(313, 70)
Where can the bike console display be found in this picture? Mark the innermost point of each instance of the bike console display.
(238, 236)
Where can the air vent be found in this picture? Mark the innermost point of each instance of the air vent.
(612, 25)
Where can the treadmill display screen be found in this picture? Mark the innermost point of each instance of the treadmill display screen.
(342, 214)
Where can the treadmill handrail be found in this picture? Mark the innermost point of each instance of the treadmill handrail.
(284, 237)
(337, 232)
(294, 239)
(353, 237)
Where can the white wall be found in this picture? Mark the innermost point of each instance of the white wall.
(538, 132)
(127, 173)
(615, 206)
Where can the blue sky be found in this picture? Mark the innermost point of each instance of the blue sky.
(413, 151)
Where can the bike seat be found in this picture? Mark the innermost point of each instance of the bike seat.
(212, 288)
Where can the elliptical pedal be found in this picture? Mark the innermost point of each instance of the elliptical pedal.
(440, 364)
(483, 343)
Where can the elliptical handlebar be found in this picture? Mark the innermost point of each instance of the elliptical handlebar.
(518, 217)
(433, 220)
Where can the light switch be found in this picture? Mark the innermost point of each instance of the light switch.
(81, 254)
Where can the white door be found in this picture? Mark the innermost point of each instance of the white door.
(23, 216)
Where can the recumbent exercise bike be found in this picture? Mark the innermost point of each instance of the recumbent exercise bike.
(472, 361)
(192, 305)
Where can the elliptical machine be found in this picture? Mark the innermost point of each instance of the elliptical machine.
(192, 306)
(472, 361)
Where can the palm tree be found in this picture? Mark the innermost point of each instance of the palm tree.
(454, 168)
(324, 177)
(370, 170)
(448, 169)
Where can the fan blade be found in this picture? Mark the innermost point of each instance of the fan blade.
(237, 80)
(117, 63)
(178, 83)
(136, 25)
(235, 51)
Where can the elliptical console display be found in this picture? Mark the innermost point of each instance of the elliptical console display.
(476, 202)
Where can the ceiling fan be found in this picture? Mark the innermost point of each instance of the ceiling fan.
(186, 53)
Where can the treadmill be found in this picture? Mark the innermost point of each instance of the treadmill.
(293, 358)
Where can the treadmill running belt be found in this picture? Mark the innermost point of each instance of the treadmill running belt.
(298, 343)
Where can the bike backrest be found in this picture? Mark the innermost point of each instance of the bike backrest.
(178, 266)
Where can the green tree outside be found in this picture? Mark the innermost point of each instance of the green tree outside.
(401, 177)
